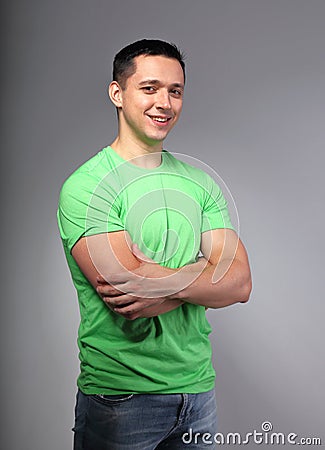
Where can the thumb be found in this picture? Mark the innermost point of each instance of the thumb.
(141, 256)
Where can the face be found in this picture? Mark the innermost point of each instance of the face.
(151, 102)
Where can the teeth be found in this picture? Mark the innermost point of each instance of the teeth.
(160, 119)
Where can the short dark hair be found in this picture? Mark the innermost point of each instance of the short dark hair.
(124, 66)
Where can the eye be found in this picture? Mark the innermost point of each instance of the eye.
(177, 92)
(149, 89)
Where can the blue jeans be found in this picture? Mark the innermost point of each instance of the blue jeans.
(145, 421)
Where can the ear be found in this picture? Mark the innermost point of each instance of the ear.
(115, 93)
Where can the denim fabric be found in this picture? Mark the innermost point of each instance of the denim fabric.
(144, 421)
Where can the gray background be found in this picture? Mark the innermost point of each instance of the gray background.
(254, 111)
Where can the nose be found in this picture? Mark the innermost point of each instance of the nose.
(163, 99)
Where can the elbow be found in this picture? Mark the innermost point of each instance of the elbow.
(240, 294)
(246, 290)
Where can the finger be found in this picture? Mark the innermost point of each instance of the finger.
(131, 308)
(141, 256)
(119, 302)
(101, 280)
(108, 290)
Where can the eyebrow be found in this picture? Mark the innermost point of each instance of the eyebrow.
(152, 82)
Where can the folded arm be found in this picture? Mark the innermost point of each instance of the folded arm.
(103, 255)
(220, 279)
(227, 280)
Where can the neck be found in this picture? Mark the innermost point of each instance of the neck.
(137, 152)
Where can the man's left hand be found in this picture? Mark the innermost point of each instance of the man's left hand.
(128, 293)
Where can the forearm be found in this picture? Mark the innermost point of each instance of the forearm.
(210, 291)
(202, 283)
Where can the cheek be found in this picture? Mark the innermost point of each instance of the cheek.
(177, 113)
(146, 103)
(177, 107)
(139, 106)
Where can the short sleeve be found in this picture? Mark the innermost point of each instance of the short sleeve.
(215, 212)
(87, 208)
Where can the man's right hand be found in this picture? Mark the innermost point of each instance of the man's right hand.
(108, 253)
(131, 307)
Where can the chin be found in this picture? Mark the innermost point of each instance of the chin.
(161, 135)
(155, 138)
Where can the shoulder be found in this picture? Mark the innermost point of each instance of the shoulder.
(84, 180)
(87, 170)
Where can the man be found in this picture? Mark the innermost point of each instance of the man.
(133, 220)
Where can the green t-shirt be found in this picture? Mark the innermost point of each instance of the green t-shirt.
(164, 210)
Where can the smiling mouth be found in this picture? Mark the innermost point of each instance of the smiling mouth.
(160, 119)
